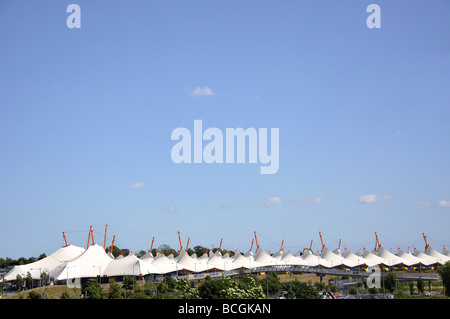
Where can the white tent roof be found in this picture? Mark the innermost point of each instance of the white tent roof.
(216, 261)
(389, 258)
(408, 258)
(372, 259)
(130, 266)
(264, 259)
(289, 259)
(425, 259)
(441, 258)
(165, 264)
(91, 263)
(353, 260)
(279, 254)
(330, 259)
(47, 264)
(240, 261)
(249, 254)
(148, 256)
(309, 259)
(446, 252)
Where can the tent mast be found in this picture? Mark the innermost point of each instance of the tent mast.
(310, 245)
(320, 234)
(377, 244)
(257, 245)
(104, 241)
(282, 242)
(151, 247)
(426, 244)
(187, 245)
(179, 238)
(89, 238)
(251, 247)
(112, 245)
(65, 239)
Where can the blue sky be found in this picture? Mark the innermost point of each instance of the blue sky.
(87, 113)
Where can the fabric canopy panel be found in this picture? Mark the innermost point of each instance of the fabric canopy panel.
(425, 259)
(372, 259)
(389, 258)
(440, 258)
(408, 258)
(48, 264)
(353, 260)
(130, 266)
(91, 263)
(165, 264)
(264, 259)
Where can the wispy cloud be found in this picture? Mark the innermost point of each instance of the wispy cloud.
(422, 203)
(170, 209)
(270, 201)
(274, 200)
(444, 203)
(138, 185)
(316, 200)
(202, 91)
(441, 203)
(372, 198)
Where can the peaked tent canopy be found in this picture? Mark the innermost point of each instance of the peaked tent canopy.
(130, 266)
(47, 264)
(90, 264)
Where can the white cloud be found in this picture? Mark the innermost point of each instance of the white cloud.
(367, 199)
(422, 203)
(271, 201)
(170, 209)
(205, 91)
(138, 185)
(444, 203)
(316, 200)
(372, 198)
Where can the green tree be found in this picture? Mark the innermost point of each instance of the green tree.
(29, 280)
(129, 283)
(34, 295)
(444, 272)
(389, 281)
(420, 286)
(19, 282)
(115, 291)
(65, 295)
(301, 290)
(92, 289)
(271, 283)
(411, 287)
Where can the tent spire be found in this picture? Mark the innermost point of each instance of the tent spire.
(112, 245)
(282, 242)
(65, 239)
(377, 244)
(257, 245)
(89, 237)
(310, 245)
(426, 244)
(187, 245)
(320, 234)
(251, 247)
(179, 238)
(151, 247)
(104, 241)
